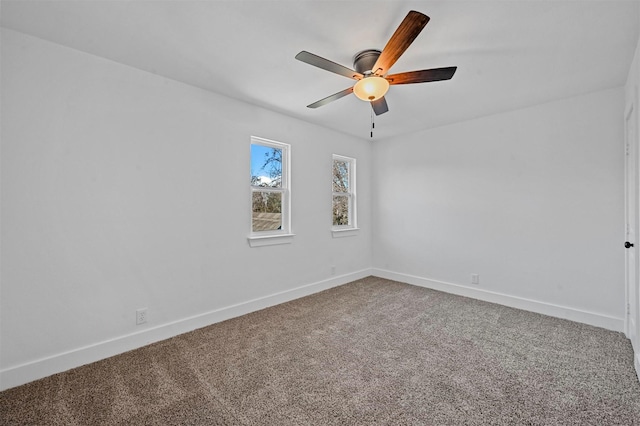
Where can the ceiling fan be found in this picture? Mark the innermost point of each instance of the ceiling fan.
(372, 67)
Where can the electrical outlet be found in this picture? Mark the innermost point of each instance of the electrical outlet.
(475, 279)
(141, 316)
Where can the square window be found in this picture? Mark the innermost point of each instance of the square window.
(266, 166)
(340, 210)
(266, 211)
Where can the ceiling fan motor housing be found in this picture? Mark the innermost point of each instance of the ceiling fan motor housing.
(364, 61)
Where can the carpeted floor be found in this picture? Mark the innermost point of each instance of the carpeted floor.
(372, 352)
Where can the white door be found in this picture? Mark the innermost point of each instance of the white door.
(631, 219)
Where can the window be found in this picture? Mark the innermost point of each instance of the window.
(344, 195)
(270, 197)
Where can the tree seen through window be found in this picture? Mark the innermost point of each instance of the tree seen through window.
(267, 188)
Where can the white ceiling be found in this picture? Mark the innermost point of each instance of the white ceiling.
(509, 54)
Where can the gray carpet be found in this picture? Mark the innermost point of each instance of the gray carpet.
(372, 352)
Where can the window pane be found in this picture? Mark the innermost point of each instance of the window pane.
(267, 211)
(340, 176)
(340, 210)
(266, 166)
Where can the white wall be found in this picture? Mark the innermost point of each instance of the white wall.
(531, 200)
(122, 189)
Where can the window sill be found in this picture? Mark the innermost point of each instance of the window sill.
(270, 240)
(347, 232)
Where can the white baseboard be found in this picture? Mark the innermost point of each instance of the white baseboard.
(636, 363)
(591, 318)
(33, 370)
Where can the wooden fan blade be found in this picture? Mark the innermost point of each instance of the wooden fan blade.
(408, 30)
(331, 98)
(326, 64)
(422, 76)
(380, 106)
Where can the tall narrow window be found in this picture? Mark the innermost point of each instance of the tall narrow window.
(270, 197)
(344, 193)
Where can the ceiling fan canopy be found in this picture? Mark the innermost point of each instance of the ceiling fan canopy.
(371, 67)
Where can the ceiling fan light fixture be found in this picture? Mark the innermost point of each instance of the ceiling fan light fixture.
(371, 88)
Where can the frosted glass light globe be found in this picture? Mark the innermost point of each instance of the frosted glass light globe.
(371, 88)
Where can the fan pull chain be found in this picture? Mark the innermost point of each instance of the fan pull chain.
(373, 124)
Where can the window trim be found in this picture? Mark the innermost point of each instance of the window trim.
(284, 235)
(352, 228)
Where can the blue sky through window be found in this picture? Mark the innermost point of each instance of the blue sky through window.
(257, 159)
(259, 154)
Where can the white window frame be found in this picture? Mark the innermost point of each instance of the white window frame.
(352, 228)
(284, 235)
